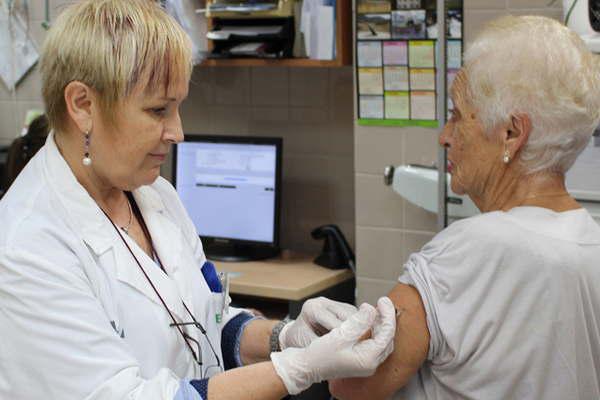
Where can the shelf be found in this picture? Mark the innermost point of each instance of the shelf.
(343, 34)
(283, 62)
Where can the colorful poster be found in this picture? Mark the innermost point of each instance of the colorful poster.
(422, 105)
(397, 105)
(369, 54)
(422, 79)
(370, 81)
(371, 107)
(395, 53)
(421, 53)
(396, 60)
(395, 77)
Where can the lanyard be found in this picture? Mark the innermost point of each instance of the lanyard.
(177, 325)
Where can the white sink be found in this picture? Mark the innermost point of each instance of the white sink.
(419, 185)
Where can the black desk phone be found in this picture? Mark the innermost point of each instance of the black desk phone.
(336, 253)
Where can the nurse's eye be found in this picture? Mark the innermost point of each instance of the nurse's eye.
(159, 111)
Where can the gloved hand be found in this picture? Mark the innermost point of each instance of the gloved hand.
(318, 316)
(340, 354)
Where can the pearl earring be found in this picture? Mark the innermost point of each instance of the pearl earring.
(506, 157)
(87, 161)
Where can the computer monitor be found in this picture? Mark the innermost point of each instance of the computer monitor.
(231, 188)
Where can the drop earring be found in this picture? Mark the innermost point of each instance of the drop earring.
(506, 157)
(87, 161)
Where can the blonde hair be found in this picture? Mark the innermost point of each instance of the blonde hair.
(537, 66)
(112, 46)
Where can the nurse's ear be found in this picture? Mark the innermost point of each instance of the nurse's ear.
(516, 133)
(80, 100)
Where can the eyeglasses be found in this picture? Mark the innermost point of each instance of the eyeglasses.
(198, 353)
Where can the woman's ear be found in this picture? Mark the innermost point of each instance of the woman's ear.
(517, 132)
(79, 99)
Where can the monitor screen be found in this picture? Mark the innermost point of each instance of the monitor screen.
(230, 186)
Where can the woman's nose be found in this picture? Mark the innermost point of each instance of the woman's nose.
(444, 138)
(174, 132)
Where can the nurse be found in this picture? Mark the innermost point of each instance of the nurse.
(102, 291)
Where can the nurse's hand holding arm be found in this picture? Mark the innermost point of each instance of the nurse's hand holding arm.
(317, 317)
(341, 353)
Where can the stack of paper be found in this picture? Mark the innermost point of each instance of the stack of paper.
(318, 26)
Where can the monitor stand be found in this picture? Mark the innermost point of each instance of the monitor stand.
(234, 252)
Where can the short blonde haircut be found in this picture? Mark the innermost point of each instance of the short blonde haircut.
(537, 66)
(112, 46)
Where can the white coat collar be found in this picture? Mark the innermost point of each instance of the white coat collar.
(88, 221)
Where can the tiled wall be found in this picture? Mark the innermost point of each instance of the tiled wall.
(388, 228)
(310, 108)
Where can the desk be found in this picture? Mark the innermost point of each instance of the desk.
(290, 277)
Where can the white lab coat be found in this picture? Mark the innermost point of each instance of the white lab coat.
(78, 319)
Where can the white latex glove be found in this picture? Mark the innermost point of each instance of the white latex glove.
(340, 354)
(318, 316)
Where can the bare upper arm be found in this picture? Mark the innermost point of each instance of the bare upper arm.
(411, 345)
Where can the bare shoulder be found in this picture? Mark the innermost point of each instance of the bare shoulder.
(411, 345)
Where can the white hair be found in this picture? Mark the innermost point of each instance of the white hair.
(537, 66)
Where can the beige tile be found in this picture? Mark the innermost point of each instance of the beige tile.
(420, 146)
(531, 4)
(309, 86)
(307, 189)
(419, 219)
(57, 7)
(270, 114)
(340, 175)
(317, 139)
(269, 86)
(36, 11)
(553, 13)
(340, 140)
(232, 86)
(309, 115)
(202, 86)
(370, 290)
(380, 253)
(342, 93)
(376, 148)
(9, 128)
(5, 94)
(30, 87)
(484, 4)
(229, 120)
(299, 140)
(377, 205)
(38, 34)
(196, 117)
(476, 19)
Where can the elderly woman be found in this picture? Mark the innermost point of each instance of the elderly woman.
(105, 292)
(506, 305)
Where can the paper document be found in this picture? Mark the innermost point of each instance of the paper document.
(322, 26)
(224, 34)
(17, 51)
(317, 23)
(242, 7)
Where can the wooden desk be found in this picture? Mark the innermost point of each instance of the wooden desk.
(290, 277)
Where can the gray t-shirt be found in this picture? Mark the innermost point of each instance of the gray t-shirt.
(513, 307)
